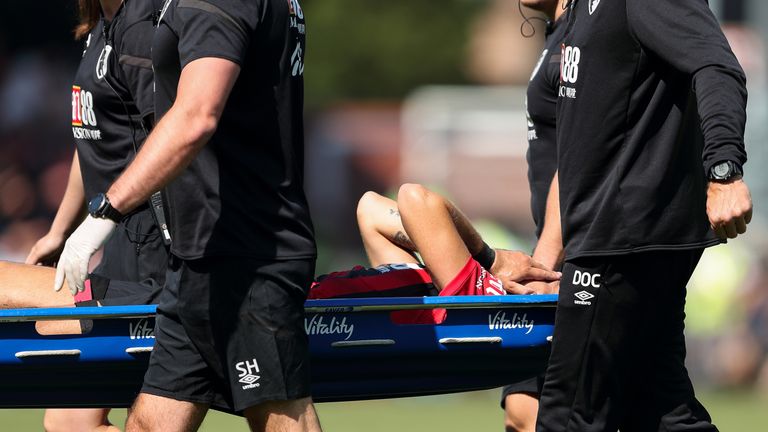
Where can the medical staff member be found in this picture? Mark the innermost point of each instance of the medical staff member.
(650, 132)
(229, 148)
(112, 108)
(520, 400)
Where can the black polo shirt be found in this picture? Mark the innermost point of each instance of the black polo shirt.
(243, 193)
(650, 98)
(541, 110)
(112, 94)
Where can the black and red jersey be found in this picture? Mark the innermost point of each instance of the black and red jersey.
(243, 193)
(650, 97)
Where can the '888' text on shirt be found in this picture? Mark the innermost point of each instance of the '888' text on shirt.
(83, 116)
(569, 70)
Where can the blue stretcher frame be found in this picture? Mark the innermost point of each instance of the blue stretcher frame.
(357, 351)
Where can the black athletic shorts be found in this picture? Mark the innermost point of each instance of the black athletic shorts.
(230, 332)
(531, 386)
(618, 349)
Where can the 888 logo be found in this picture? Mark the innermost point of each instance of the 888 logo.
(82, 107)
(569, 63)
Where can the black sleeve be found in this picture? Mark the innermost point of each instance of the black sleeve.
(215, 28)
(135, 58)
(686, 35)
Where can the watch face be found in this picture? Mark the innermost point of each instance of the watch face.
(722, 170)
(95, 204)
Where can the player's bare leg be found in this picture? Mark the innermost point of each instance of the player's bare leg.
(520, 412)
(152, 413)
(78, 420)
(284, 416)
(382, 231)
(27, 286)
(24, 285)
(430, 226)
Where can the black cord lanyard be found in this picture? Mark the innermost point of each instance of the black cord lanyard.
(156, 199)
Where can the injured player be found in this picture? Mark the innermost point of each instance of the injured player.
(455, 256)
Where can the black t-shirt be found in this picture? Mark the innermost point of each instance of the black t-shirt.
(541, 108)
(243, 194)
(112, 93)
(650, 91)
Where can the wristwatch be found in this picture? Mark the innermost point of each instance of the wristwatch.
(100, 207)
(725, 170)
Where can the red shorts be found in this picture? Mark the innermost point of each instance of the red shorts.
(472, 279)
(389, 280)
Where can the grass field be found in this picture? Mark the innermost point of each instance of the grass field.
(469, 412)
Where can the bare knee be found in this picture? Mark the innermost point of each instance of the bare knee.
(139, 418)
(366, 209)
(74, 420)
(156, 413)
(520, 413)
(294, 415)
(413, 196)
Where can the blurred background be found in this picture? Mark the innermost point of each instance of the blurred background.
(411, 90)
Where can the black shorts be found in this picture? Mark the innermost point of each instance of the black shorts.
(230, 332)
(133, 267)
(618, 349)
(531, 386)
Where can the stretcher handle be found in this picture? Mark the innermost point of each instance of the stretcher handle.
(362, 342)
(68, 313)
(48, 353)
(344, 305)
(470, 340)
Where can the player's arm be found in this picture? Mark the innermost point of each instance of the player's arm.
(204, 87)
(70, 213)
(549, 249)
(511, 267)
(686, 35)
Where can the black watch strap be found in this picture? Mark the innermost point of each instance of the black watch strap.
(100, 207)
(725, 170)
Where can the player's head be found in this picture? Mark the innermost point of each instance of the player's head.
(90, 13)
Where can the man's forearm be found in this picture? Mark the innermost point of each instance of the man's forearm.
(203, 90)
(549, 248)
(171, 146)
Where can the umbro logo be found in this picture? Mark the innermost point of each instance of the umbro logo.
(249, 379)
(582, 297)
(247, 373)
(593, 5)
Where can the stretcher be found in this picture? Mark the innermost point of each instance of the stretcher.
(358, 351)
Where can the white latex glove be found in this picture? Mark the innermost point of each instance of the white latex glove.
(80, 246)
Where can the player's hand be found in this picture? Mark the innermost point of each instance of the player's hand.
(729, 207)
(46, 251)
(538, 287)
(513, 268)
(78, 250)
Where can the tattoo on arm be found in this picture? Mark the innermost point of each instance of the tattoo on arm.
(394, 212)
(402, 240)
